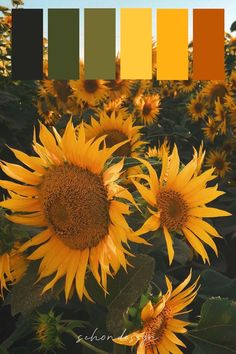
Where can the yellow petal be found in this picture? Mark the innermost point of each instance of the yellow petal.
(147, 311)
(169, 243)
(206, 212)
(80, 275)
(151, 224)
(196, 244)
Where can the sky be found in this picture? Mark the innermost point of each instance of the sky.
(228, 5)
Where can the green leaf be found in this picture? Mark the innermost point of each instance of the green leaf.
(127, 289)
(207, 347)
(217, 284)
(216, 330)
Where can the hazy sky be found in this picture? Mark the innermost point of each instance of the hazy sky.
(228, 5)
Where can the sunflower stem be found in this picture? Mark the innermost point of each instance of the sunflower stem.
(84, 342)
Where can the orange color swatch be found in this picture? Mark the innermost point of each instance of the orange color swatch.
(208, 44)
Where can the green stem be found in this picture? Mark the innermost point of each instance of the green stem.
(84, 342)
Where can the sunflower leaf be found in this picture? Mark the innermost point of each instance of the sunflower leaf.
(217, 284)
(126, 289)
(216, 330)
(26, 295)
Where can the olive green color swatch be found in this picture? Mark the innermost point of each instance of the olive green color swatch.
(63, 44)
(99, 43)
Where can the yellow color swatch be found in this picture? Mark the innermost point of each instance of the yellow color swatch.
(136, 44)
(172, 44)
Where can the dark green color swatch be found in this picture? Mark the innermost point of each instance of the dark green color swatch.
(100, 46)
(63, 44)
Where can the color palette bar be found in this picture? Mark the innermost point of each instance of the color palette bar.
(208, 44)
(99, 43)
(136, 44)
(27, 44)
(172, 44)
(63, 44)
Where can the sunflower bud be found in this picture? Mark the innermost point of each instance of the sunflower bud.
(48, 331)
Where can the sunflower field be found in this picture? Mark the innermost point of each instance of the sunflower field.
(117, 212)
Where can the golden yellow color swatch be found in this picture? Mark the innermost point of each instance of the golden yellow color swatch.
(136, 44)
(172, 44)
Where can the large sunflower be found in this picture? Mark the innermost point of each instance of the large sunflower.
(117, 128)
(69, 191)
(159, 322)
(177, 203)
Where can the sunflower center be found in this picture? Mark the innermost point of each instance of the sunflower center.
(114, 137)
(198, 107)
(147, 108)
(173, 209)
(155, 328)
(91, 86)
(219, 164)
(75, 205)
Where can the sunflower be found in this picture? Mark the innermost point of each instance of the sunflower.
(60, 89)
(90, 92)
(159, 151)
(114, 106)
(117, 128)
(215, 90)
(187, 86)
(69, 191)
(148, 108)
(18, 264)
(166, 91)
(233, 80)
(218, 160)
(47, 111)
(232, 115)
(197, 108)
(221, 117)
(200, 156)
(13, 266)
(5, 272)
(119, 88)
(229, 146)
(159, 323)
(232, 45)
(177, 200)
(211, 129)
